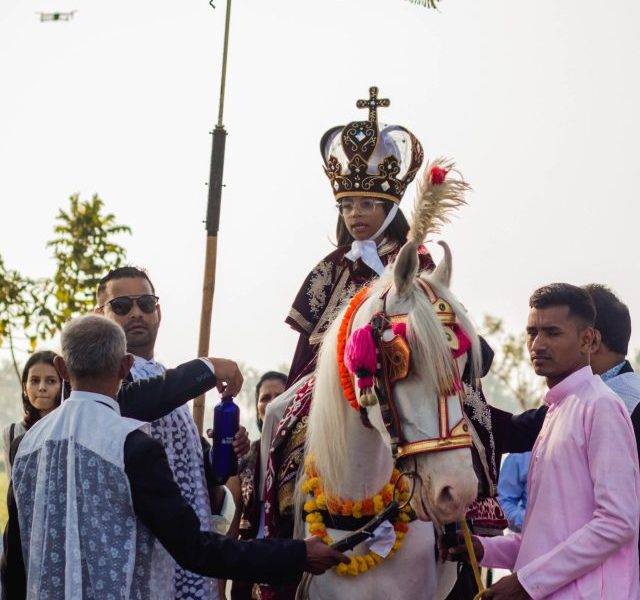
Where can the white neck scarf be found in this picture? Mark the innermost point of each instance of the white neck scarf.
(367, 249)
(145, 369)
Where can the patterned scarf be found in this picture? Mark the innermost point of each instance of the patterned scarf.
(178, 434)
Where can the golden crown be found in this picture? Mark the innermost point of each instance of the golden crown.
(365, 159)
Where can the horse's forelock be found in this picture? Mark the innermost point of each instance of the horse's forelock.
(430, 353)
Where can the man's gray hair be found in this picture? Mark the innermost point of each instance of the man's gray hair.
(92, 346)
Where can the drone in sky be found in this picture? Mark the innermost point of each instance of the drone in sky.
(56, 16)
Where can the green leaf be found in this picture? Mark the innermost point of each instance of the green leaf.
(83, 249)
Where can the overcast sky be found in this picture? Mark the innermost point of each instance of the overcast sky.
(536, 101)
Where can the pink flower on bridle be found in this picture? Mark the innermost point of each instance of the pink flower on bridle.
(360, 355)
(361, 358)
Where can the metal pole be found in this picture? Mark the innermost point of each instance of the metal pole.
(212, 223)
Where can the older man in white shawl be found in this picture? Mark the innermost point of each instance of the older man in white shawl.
(91, 492)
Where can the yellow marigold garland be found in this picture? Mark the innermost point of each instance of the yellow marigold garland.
(369, 507)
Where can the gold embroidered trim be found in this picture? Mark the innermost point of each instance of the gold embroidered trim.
(296, 316)
(340, 295)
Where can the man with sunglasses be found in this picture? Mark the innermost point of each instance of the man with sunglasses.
(127, 296)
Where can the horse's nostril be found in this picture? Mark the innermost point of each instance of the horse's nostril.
(446, 495)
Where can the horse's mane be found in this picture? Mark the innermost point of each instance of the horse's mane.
(326, 434)
(465, 322)
(431, 356)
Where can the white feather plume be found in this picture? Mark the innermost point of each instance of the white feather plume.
(435, 202)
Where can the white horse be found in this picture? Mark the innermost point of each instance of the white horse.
(355, 462)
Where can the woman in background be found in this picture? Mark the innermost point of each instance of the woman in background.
(41, 393)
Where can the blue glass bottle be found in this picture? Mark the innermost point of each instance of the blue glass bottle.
(226, 422)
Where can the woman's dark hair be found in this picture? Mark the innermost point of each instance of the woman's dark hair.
(268, 376)
(31, 413)
(397, 230)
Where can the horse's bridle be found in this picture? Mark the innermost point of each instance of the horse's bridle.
(393, 365)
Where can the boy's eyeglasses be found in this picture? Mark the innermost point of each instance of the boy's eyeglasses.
(365, 206)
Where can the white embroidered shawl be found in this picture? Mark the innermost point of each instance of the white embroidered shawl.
(80, 536)
(178, 434)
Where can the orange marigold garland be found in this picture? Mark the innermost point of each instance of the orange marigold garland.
(343, 333)
(319, 501)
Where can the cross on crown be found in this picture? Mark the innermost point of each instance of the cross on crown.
(373, 103)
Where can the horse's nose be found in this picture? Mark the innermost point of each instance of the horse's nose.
(451, 503)
(446, 495)
(448, 503)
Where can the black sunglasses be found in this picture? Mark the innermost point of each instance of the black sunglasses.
(122, 305)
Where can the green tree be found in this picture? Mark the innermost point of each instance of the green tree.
(511, 377)
(14, 305)
(83, 250)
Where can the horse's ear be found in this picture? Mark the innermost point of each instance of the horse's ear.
(405, 268)
(442, 273)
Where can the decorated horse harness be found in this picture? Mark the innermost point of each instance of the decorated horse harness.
(379, 361)
(378, 356)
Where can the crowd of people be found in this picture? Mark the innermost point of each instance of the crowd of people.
(112, 495)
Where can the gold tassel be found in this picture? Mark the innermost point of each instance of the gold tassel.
(367, 398)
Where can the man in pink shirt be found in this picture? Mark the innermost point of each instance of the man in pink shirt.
(579, 539)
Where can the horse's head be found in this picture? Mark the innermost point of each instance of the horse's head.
(423, 339)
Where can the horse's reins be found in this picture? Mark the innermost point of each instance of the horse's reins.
(473, 560)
